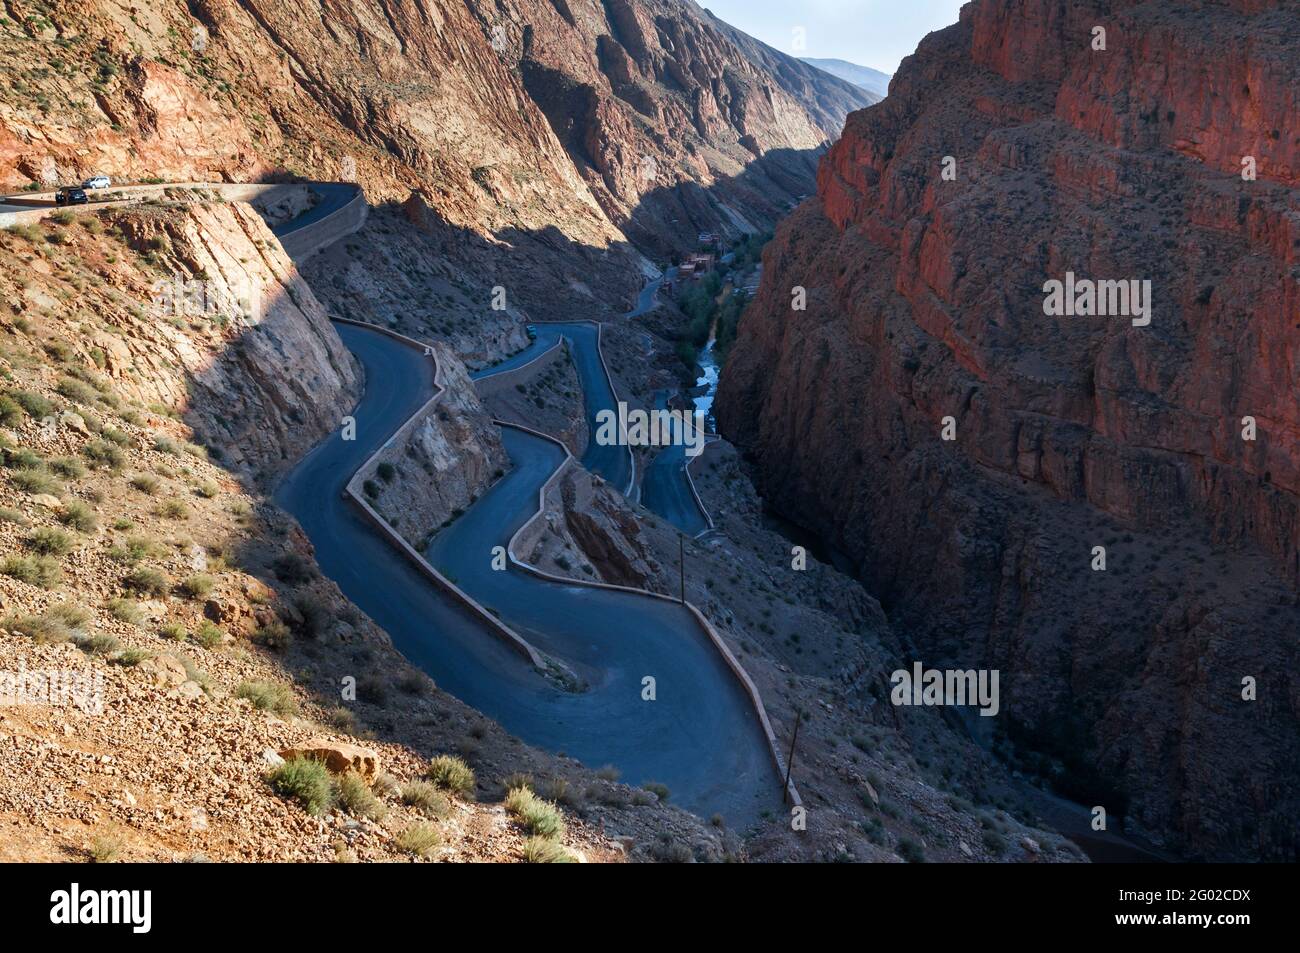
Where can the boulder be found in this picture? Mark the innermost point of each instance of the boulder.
(165, 671)
(338, 756)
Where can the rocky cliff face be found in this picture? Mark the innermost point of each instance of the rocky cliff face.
(925, 300)
(676, 121)
(192, 310)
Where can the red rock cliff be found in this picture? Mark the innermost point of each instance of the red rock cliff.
(925, 301)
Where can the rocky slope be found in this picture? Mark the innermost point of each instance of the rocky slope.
(528, 121)
(925, 300)
(677, 121)
(878, 786)
(165, 635)
(191, 307)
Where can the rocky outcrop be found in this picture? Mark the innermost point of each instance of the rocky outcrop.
(437, 467)
(925, 301)
(338, 756)
(230, 334)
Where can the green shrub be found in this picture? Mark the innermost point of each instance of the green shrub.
(293, 569)
(146, 582)
(659, 790)
(36, 481)
(341, 718)
(22, 458)
(995, 842)
(56, 624)
(373, 689)
(126, 610)
(103, 455)
(34, 404)
(306, 781)
(451, 774)
(198, 586)
(68, 467)
(544, 850)
(910, 850)
(146, 483)
(49, 541)
(11, 414)
(273, 635)
(357, 799)
(316, 616)
(174, 631)
(133, 550)
(174, 510)
(40, 571)
(209, 635)
(420, 838)
(101, 643)
(106, 849)
(518, 779)
(425, 798)
(131, 656)
(538, 817)
(10, 515)
(79, 516)
(79, 391)
(269, 696)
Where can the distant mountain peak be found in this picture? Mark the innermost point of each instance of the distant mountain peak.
(872, 80)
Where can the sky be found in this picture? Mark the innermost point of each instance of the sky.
(875, 33)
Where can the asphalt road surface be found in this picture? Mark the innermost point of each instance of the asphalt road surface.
(699, 735)
(665, 490)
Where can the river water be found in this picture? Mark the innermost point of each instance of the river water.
(706, 381)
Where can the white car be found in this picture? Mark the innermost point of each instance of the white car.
(98, 182)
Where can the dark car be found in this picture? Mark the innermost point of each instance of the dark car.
(71, 197)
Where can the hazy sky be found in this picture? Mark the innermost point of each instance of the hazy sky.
(876, 33)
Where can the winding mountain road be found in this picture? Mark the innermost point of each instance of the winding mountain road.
(612, 462)
(699, 735)
(666, 488)
(665, 485)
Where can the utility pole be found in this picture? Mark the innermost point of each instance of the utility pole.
(789, 762)
(681, 563)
